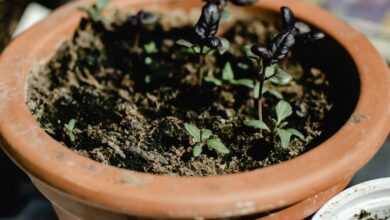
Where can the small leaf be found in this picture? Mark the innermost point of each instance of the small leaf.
(244, 82)
(69, 129)
(281, 77)
(101, 4)
(214, 80)
(285, 137)
(270, 70)
(150, 48)
(275, 93)
(193, 131)
(283, 111)
(225, 45)
(71, 125)
(256, 124)
(196, 49)
(148, 61)
(205, 134)
(227, 72)
(197, 150)
(217, 145)
(296, 133)
(184, 43)
(243, 66)
(248, 51)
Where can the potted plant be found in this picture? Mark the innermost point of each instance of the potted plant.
(187, 109)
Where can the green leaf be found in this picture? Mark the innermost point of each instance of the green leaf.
(244, 82)
(285, 137)
(101, 4)
(148, 60)
(69, 129)
(217, 145)
(150, 48)
(184, 43)
(227, 72)
(197, 150)
(283, 111)
(71, 125)
(224, 47)
(248, 51)
(256, 124)
(296, 133)
(214, 80)
(281, 78)
(205, 134)
(193, 131)
(270, 70)
(275, 93)
(196, 49)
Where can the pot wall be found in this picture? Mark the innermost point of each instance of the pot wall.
(83, 187)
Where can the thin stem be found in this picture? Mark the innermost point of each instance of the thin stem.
(260, 98)
(136, 41)
(202, 59)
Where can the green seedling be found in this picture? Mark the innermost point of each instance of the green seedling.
(283, 111)
(204, 137)
(69, 129)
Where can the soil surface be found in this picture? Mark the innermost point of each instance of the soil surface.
(121, 96)
(365, 215)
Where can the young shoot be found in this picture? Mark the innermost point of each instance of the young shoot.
(69, 129)
(283, 111)
(138, 22)
(205, 40)
(95, 11)
(277, 50)
(204, 137)
(228, 77)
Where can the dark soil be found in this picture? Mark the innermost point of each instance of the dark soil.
(130, 106)
(365, 215)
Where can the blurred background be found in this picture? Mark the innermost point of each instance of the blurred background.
(19, 200)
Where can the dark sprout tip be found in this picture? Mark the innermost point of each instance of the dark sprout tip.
(214, 42)
(208, 23)
(262, 52)
(243, 2)
(288, 19)
(142, 18)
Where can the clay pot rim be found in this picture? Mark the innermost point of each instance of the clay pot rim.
(147, 195)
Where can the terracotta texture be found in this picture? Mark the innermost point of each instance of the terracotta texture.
(80, 188)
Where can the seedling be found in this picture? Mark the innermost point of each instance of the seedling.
(69, 129)
(204, 137)
(138, 22)
(228, 77)
(277, 50)
(205, 40)
(95, 12)
(283, 111)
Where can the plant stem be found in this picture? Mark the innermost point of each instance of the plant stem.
(202, 59)
(136, 41)
(259, 100)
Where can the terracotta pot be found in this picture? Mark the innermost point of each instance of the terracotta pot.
(80, 188)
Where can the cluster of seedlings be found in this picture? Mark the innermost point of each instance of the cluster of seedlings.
(266, 59)
(255, 71)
